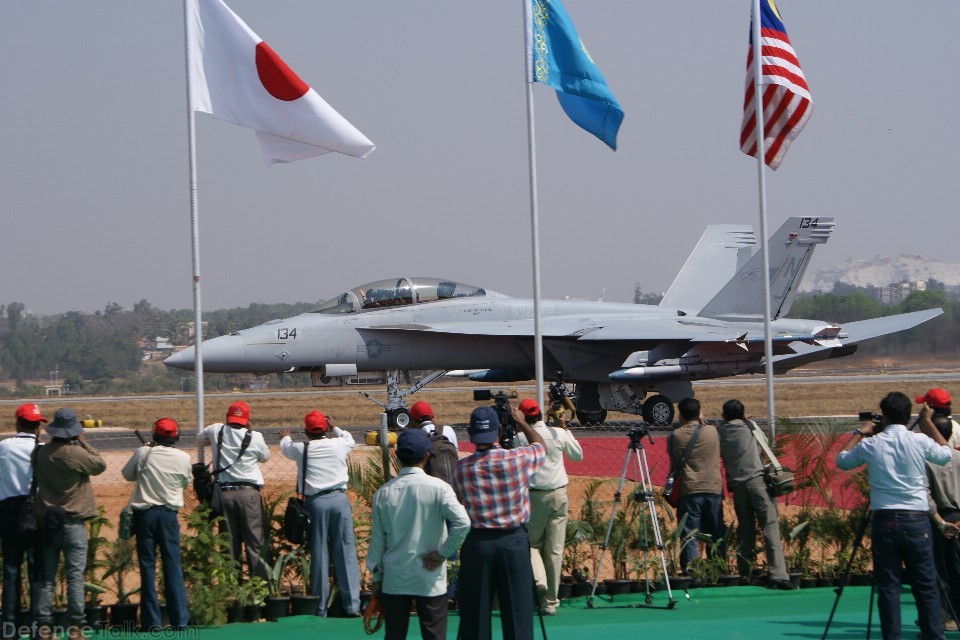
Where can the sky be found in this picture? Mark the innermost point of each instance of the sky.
(94, 160)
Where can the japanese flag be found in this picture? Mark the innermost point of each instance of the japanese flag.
(236, 77)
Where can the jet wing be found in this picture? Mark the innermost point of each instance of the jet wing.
(855, 332)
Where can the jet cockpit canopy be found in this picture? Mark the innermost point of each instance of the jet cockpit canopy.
(397, 292)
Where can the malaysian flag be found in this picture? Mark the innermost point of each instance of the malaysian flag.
(786, 99)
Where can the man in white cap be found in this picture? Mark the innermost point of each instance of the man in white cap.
(17, 544)
(63, 470)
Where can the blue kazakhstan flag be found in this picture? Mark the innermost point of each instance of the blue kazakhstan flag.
(556, 57)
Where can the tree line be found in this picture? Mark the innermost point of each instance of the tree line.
(104, 351)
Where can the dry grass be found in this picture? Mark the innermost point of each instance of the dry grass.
(454, 406)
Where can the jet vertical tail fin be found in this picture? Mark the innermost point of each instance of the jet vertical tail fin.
(722, 250)
(790, 250)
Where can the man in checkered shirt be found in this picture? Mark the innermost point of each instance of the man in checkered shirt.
(493, 485)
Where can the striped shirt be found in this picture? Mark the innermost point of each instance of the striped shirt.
(493, 485)
(895, 462)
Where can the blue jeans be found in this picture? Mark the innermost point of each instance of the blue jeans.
(74, 562)
(704, 513)
(331, 533)
(905, 537)
(158, 527)
(15, 547)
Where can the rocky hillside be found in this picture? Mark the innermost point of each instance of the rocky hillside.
(881, 271)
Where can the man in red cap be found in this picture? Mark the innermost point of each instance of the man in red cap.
(161, 473)
(16, 478)
(322, 478)
(939, 401)
(421, 415)
(442, 461)
(548, 501)
(238, 452)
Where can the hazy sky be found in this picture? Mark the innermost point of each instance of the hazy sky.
(94, 179)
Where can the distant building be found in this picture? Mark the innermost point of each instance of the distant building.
(898, 291)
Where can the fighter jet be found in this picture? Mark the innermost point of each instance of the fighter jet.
(637, 359)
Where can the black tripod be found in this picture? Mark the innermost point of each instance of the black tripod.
(845, 575)
(642, 493)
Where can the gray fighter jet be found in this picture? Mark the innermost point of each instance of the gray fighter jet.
(632, 358)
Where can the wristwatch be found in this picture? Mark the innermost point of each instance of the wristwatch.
(857, 432)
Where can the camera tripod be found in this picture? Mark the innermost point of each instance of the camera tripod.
(643, 494)
(845, 576)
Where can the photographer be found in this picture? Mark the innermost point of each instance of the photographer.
(743, 464)
(493, 485)
(901, 532)
(548, 500)
(939, 400)
(944, 485)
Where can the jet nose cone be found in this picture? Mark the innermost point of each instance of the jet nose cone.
(220, 355)
(183, 359)
(225, 354)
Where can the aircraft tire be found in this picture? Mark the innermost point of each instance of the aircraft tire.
(658, 411)
(398, 419)
(590, 417)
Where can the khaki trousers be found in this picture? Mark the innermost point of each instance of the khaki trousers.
(548, 532)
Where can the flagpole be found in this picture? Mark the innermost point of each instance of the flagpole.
(761, 181)
(194, 235)
(534, 219)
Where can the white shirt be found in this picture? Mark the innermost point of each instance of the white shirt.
(410, 517)
(446, 431)
(326, 460)
(166, 473)
(553, 475)
(895, 463)
(246, 469)
(15, 471)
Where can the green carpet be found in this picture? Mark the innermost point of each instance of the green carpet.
(726, 613)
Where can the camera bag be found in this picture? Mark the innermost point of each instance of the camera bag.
(296, 518)
(671, 488)
(779, 479)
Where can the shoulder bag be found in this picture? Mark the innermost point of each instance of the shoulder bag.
(671, 488)
(205, 483)
(779, 479)
(296, 518)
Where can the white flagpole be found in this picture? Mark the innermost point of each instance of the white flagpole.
(534, 221)
(761, 153)
(194, 236)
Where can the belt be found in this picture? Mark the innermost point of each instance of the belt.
(233, 486)
(326, 492)
(551, 489)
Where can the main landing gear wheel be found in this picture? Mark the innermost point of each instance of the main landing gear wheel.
(398, 419)
(658, 411)
(589, 417)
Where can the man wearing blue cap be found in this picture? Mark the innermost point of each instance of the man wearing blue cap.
(416, 524)
(494, 486)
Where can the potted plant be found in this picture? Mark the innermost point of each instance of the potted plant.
(209, 570)
(277, 605)
(621, 541)
(303, 604)
(251, 596)
(118, 560)
(95, 613)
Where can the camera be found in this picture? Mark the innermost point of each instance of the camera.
(869, 416)
(560, 397)
(501, 404)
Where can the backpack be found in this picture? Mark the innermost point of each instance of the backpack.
(443, 458)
